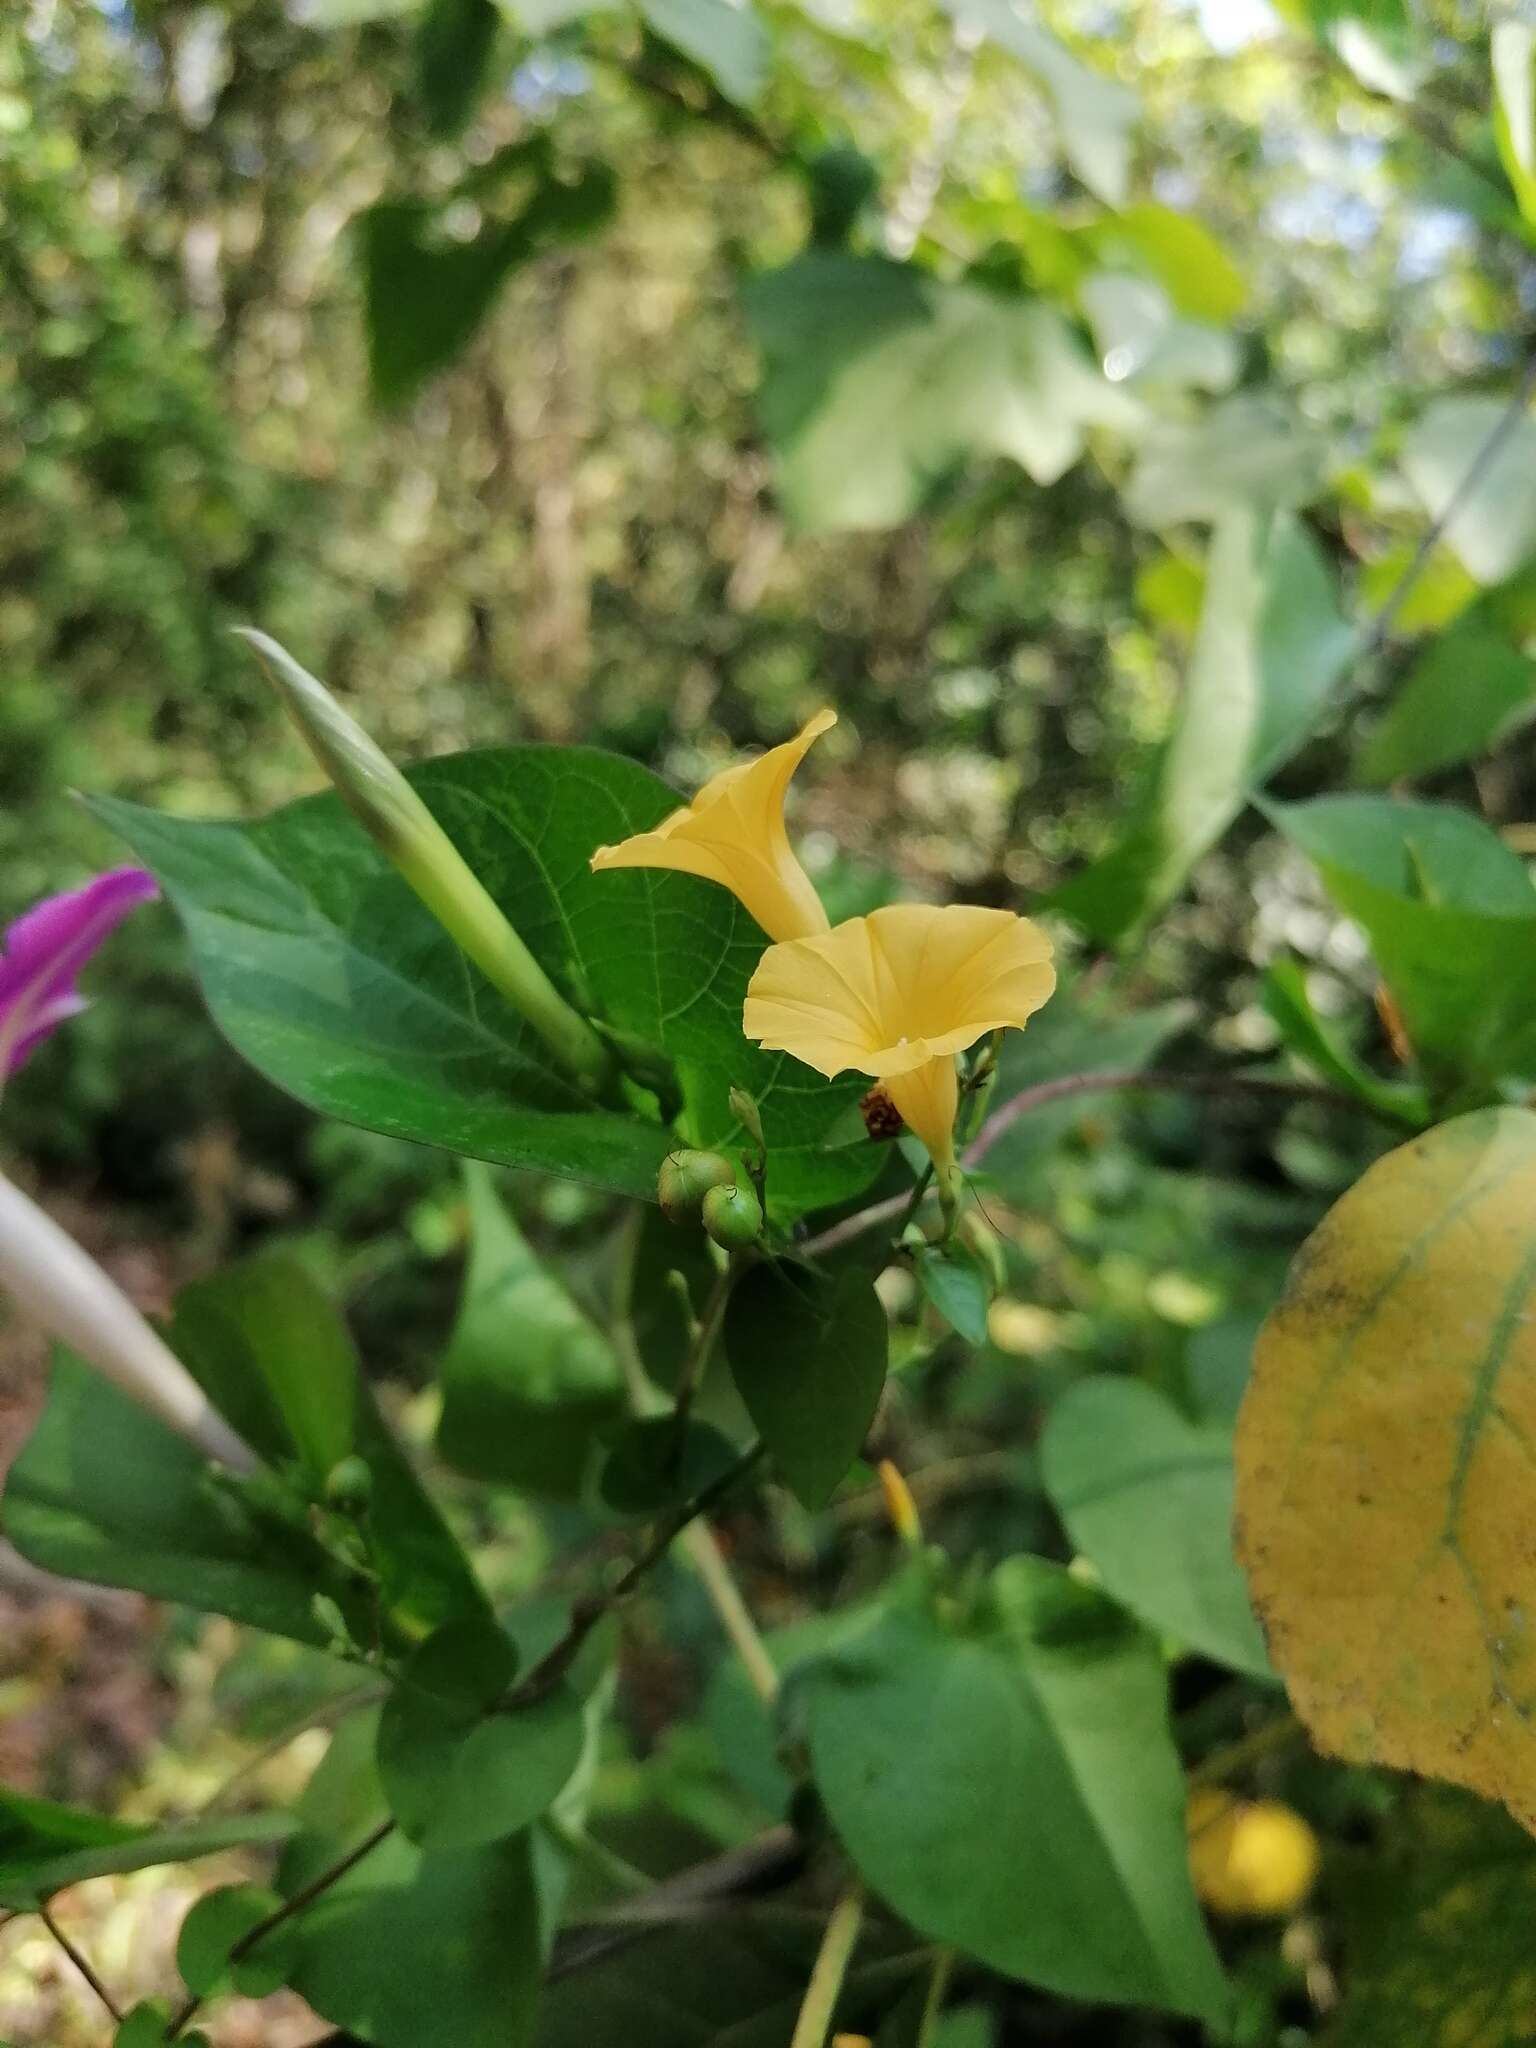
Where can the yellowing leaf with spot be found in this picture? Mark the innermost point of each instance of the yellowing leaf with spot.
(1386, 1462)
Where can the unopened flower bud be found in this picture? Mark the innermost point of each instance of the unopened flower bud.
(385, 804)
(900, 1507)
(349, 1486)
(733, 1217)
(744, 1109)
(686, 1178)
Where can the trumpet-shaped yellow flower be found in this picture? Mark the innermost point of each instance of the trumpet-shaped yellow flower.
(733, 833)
(897, 995)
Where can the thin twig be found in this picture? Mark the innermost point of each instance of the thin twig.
(735, 1617)
(1477, 469)
(766, 1863)
(80, 1963)
(1029, 1099)
(315, 1717)
(304, 1897)
(703, 1343)
(586, 1614)
(829, 1970)
(933, 2004)
(1248, 1749)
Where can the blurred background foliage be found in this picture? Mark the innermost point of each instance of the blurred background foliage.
(466, 396)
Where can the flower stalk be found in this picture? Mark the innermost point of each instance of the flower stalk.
(397, 819)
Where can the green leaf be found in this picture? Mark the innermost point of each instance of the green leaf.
(213, 1926)
(658, 1322)
(725, 38)
(425, 294)
(148, 2025)
(1270, 645)
(1513, 49)
(454, 41)
(44, 1848)
(266, 1323)
(104, 1491)
(1143, 342)
(271, 1351)
(736, 1984)
(1245, 451)
(419, 1950)
(879, 379)
(653, 1465)
(411, 1949)
(954, 1280)
(808, 1354)
(1094, 114)
(1186, 259)
(1010, 1787)
(1465, 695)
(458, 1772)
(1437, 1933)
(1146, 1497)
(1289, 1003)
(527, 1380)
(1451, 917)
(326, 972)
(1492, 525)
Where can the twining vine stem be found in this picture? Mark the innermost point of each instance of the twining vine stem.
(586, 1614)
(80, 1962)
(544, 1676)
(1029, 1099)
(1477, 469)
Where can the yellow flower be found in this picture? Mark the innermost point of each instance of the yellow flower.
(897, 995)
(733, 833)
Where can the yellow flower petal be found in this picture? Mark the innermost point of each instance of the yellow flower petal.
(928, 1099)
(897, 995)
(733, 833)
(884, 994)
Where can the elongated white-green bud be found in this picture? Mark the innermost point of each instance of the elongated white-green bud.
(384, 803)
(63, 1288)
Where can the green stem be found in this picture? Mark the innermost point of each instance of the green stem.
(304, 1897)
(933, 2004)
(831, 1967)
(703, 1342)
(586, 1614)
(79, 1962)
(1225, 1763)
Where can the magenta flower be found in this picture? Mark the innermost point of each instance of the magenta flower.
(45, 950)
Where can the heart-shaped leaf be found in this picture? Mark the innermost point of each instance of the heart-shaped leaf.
(1011, 1787)
(324, 969)
(808, 1353)
(1384, 1459)
(1147, 1498)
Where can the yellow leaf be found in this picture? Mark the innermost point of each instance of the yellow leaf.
(1386, 1465)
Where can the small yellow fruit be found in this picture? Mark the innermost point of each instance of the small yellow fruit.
(1250, 1858)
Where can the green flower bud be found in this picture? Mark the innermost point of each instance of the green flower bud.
(686, 1178)
(733, 1217)
(384, 803)
(349, 1486)
(746, 1113)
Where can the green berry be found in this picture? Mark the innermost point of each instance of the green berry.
(733, 1217)
(686, 1178)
